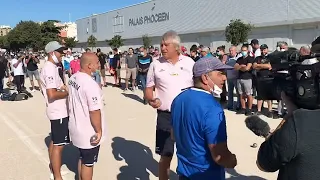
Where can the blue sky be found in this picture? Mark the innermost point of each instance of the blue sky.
(42, 10)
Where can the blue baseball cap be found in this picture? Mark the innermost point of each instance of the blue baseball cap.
(208, 64)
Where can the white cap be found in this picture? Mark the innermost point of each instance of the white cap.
(54, 46)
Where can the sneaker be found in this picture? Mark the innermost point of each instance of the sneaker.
(249, 112)
(33, 90)
(258, 113)
(276, 116)
(270, 114)
(241, 111)
(126, 89)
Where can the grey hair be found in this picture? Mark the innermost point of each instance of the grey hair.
(280, 43)
(172, 37)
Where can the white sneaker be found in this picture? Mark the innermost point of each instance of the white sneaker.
(63, 173)
(33, 90)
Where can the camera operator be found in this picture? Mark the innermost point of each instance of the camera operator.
(263, 67)
(32, 69)
(293, 148)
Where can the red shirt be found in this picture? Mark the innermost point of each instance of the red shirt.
(75, 66)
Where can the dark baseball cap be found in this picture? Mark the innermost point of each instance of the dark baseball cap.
(208, 64)
(254, 41)
(263, 46)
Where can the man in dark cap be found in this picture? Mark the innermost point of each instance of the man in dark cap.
(199, 124)
(263, 68)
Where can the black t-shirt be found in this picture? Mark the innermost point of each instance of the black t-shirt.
(32, 66)
(102, 59)
(115, 61)
(262, 72)
(245, 61)
(144, 63)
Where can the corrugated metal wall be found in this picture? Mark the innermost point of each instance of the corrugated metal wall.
(195, 16)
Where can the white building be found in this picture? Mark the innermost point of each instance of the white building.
(203, 22)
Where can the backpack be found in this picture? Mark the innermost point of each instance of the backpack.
(19, 96)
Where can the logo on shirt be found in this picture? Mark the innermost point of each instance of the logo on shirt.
(94, 100)
(50, 79)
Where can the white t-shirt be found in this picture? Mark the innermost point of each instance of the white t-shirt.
(17, 70)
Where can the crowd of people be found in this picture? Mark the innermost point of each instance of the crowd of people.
(188, 90)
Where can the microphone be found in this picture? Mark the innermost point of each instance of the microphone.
(258, 126)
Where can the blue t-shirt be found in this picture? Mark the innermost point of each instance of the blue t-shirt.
(198, 120)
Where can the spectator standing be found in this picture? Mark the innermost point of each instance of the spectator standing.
(75, 65)
(144, 61)
(244, 82)
(156, 54)
(3, 70)
(232, 76)
(168, 76)
(263, 68)
(87, 125)
(102, 59)
(116, 67)
(32, 69)
(66, 62)
(199, 125)
(18, 72)
(55, 94)
(131, 68)
(223, 58)
(205, 52)
(194, 54)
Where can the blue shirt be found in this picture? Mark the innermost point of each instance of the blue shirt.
(198, 120)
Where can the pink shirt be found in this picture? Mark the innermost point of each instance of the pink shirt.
(75, 66)
(50, 79)
(170, 79)
(85, 95)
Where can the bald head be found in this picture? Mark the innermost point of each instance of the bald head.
(86, 59)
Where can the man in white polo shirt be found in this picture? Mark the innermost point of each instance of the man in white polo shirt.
(55, 94)
(86, 123)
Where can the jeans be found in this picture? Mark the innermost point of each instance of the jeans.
(1, 84)
(232, 84)
(97, 77)
(143, 80)
(19, 81)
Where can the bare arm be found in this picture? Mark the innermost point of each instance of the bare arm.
(19, 61)
(237, 66)
(222, 156)
(95, 118)
(54, 94)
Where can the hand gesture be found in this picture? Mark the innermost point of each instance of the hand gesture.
(155, 103)
(64, 88)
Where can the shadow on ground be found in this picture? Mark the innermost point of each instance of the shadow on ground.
(134, 97)
(236, 176)
(70, 156)
(139, 159)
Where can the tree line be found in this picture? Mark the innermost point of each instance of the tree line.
(29, 34)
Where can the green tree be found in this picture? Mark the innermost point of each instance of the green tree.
(25, 35)
(116, 42)
(237, 32)
(70, 42)
(92, 41)
(146, 41)
(4, 42)
(49, 32)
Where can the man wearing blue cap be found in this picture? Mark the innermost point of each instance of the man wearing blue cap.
(199, 125)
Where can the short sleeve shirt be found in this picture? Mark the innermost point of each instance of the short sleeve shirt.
(50, 79)
(169, 79)
(245, 61)
(198, 120)
(85, 95)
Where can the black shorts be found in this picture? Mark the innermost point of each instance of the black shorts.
(89, 156)
(164, 143)
(60, 131)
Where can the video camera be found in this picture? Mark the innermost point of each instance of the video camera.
(299, 81)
